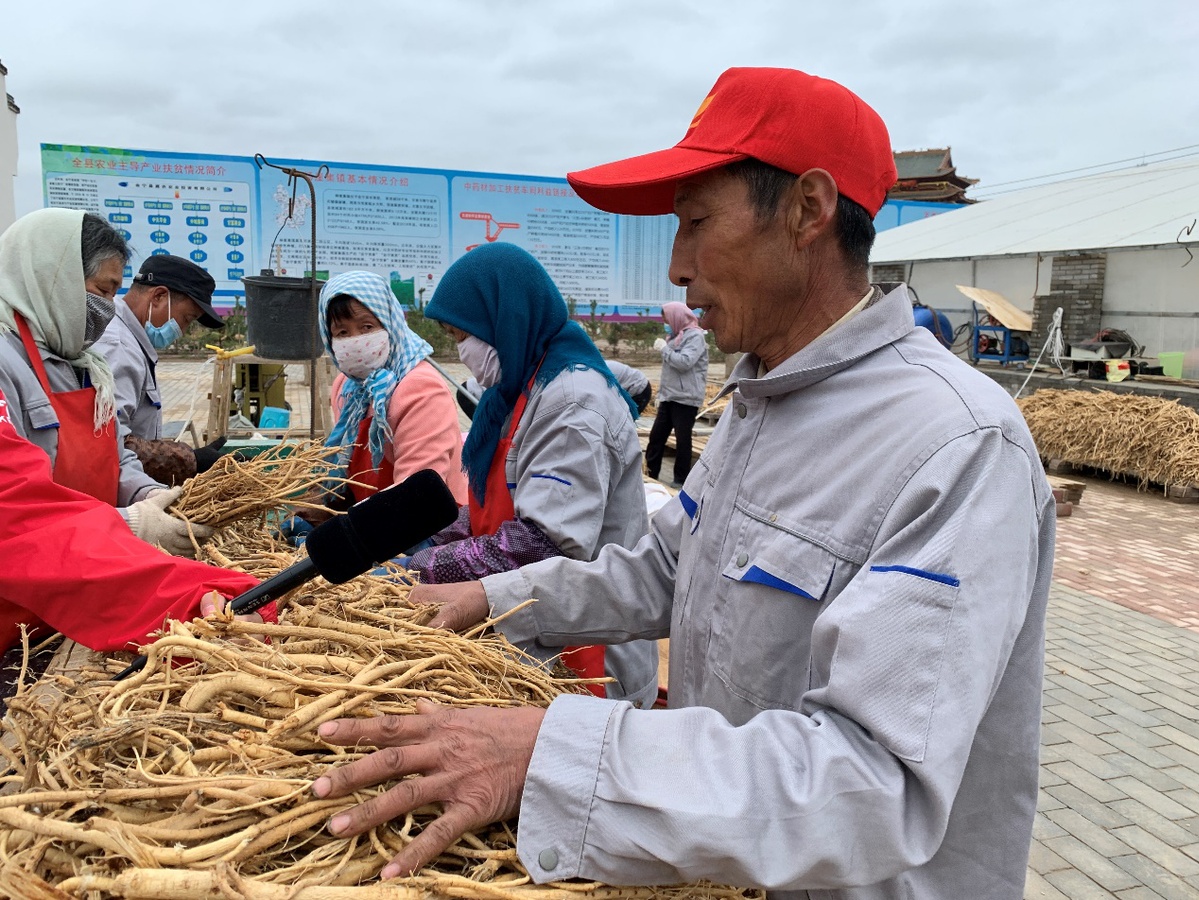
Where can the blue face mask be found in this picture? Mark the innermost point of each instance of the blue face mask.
(162, 336)
(669, 331)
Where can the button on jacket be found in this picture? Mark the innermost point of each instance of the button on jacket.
(854, 581)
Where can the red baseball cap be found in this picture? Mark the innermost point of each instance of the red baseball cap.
(784, 117)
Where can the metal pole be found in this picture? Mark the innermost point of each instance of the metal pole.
(292, 174)
(463, 395)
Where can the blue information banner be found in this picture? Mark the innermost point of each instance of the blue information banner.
(234, 218)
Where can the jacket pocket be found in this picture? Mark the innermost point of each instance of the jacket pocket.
(900, 623)
(41, 415)
(774, 585)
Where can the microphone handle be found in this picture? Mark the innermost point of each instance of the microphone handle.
(256, 597)
(260, 595)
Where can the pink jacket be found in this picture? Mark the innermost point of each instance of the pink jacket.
(424, 425)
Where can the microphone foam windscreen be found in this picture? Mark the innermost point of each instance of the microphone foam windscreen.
(381, 526)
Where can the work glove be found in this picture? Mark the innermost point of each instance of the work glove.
(660, 344)
(207, 455)
(149, 520)
(385, 571)
(295, 530)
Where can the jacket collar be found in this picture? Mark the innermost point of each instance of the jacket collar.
(125, 314)
(883, 322)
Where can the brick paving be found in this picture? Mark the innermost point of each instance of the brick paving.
(1119, 809)
(1132, 547)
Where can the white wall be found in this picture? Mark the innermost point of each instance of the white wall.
(1015, 278)
(8, 159)
(1156, 284)
(1150, 294)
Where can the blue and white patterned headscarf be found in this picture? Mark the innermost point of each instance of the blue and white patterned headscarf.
(374, 393)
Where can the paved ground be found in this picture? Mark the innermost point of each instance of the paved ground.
(1119, 810)
(1135, 548)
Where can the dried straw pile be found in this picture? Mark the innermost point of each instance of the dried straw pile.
(191, 779)
(1153, 440)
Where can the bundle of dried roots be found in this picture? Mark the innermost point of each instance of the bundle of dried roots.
(235, 489)
(192, 779)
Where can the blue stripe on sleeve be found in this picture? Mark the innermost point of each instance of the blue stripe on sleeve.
(553, 478)
(919, 573)
(689, 505)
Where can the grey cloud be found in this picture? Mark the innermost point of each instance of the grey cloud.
(1018, 88)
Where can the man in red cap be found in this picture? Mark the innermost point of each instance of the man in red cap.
(853, 580)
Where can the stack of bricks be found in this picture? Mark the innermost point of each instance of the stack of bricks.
(888, 272)
(1067, 494)
(1076, 285)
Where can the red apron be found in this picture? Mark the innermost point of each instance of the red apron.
(87, 460)
(362, 468)
(486, 518)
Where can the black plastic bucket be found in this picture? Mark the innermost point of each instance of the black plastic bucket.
(281, 317)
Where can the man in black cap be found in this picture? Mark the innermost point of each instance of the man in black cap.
(167, 295)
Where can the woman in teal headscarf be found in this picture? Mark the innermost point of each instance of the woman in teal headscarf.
(552, 458)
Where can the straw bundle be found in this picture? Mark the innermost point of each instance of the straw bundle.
(1153, 440)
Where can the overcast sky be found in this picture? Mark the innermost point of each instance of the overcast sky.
(1018, 88)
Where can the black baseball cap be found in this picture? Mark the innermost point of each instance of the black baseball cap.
(184, 276)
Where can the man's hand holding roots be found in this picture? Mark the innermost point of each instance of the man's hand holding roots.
(471, 761)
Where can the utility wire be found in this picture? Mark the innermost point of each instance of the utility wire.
(986, 196)
(1114, 162)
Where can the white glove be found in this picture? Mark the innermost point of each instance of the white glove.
(660, 344)
(149, 520)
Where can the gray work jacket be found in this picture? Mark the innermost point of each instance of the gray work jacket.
(854, 581)
(132, 359)
(632, 380)
(684, 370)
(35, 419)
(576, 443)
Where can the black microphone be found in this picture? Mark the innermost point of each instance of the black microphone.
(380, 527)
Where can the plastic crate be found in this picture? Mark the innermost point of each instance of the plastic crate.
(248, 448)
(1171, 364)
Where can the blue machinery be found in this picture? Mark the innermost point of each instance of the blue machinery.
(991, 341)
(936, 322)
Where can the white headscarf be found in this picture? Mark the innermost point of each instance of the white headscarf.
(41, 277)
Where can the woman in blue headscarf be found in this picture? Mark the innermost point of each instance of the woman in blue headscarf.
(394, 415)
(552, 456)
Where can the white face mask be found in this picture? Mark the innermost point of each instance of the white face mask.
(482, 360)
(361, 355)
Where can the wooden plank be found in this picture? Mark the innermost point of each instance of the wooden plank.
(219, 399)
(68, 659)
(1183, 493)
(1166, 379)
(1000, 307)
(1067, 484)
